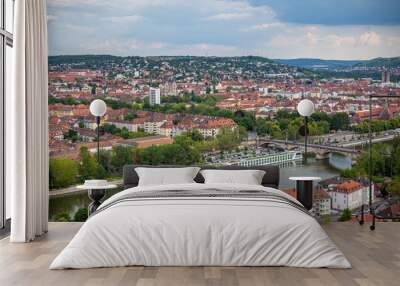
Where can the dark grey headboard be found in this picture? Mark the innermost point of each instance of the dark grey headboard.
(271, 177)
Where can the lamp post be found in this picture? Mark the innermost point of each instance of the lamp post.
(305, 109)
(98, 108)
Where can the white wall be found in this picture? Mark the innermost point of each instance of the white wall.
(341, 201)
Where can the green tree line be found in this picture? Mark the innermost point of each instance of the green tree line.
(185, 150)
(384, 162)
(377, 125)
(287, 124)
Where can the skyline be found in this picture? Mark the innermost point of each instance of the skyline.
(268, 28)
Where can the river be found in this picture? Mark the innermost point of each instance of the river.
(320, 168)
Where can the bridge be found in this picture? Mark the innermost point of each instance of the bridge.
(328, 148)
(366, 141)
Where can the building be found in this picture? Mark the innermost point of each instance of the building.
(86, 134)
(169, 89)
(347, 193)
(212, 127)
(385, 76)
(154, 96)
(321, 202)
(166, 129)
(153, 127)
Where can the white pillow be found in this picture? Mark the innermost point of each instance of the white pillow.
(166, 176)
(248, 177)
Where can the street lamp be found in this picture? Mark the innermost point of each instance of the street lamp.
(98, 108)
(305, 109)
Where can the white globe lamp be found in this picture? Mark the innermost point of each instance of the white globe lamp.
(98, 108)
(305, 107)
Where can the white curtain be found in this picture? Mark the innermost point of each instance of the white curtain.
(27, 124)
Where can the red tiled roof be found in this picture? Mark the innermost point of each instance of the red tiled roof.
(348, 187)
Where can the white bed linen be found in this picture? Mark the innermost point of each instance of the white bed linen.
(212, 231)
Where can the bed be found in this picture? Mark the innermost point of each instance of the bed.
(201, 224)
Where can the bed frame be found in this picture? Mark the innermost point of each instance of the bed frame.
(270, 179)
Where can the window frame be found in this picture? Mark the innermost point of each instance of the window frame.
(6, 39)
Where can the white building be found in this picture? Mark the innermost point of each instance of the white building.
(153, 127)
(132, 127)
(348, 195)
(154, 96)
(321, 203)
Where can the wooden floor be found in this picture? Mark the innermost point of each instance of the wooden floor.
(375, 257)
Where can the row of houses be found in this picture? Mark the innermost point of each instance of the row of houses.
(171, 125)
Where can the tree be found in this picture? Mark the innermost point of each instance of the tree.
(320, 116)
(228, 138)
(130, 117)
(88, 166)
(71, 135)
(183, 151)
(349, 173)
(393, 187)
(345, 216)
(121, 156)
(62, 173)
(81, 215)
(261, 127)
(195, 135)
(340, 121)
(62, 217)
(242, 132)
(105, 161)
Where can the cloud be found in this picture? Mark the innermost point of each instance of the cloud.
(330, 42)
(124, 19)
(208, 27)
(78, 28)
(234, 10)
(264, 26)
(137, 47)
(370, 39)
(228, 16)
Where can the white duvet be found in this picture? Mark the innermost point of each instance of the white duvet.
(202, 232)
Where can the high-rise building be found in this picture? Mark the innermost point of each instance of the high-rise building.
(385, 76)
(154, 96)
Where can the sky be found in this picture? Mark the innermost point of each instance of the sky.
(327, 29)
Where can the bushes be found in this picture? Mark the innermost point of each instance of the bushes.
(345, 216)
(62, 173)
(81, 215)
(121, 156)
(62, 217)
(88, 166)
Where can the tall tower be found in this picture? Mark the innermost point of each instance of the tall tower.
(154, 96)
(385, 76)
